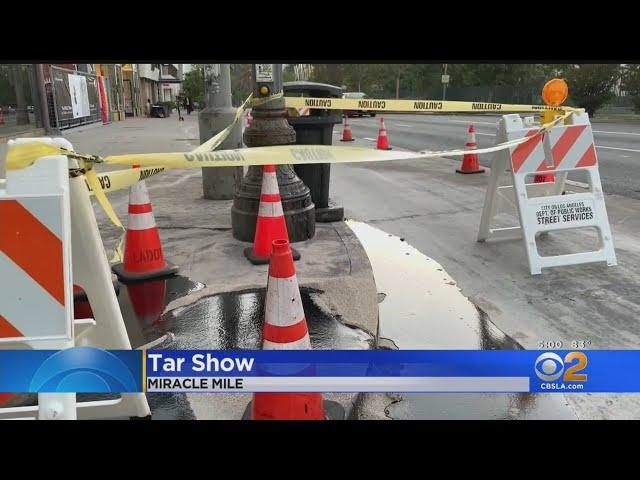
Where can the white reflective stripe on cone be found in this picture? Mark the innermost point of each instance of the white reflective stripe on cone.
(141, 221)
(270, 209)
(303, 344)
(270, 183)
(283, 305)
(138, 195)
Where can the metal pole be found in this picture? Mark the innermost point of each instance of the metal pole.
(444, 85)
(219, 183)
(270, 127)
(42, 95)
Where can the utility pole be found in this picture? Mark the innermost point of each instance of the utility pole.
(42, 101)
(270, 127)
(445, 81)
(219, 183)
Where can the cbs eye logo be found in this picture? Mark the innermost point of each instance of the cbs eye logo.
(550, 367)
(83, 370)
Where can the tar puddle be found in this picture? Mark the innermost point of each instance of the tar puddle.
(225, 321)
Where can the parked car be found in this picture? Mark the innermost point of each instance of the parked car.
(359, 113)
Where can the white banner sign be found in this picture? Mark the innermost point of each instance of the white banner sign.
(79, 96)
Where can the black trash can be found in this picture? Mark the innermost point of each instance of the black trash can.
(316, 128)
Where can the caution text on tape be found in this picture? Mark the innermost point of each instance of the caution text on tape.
(410, 106)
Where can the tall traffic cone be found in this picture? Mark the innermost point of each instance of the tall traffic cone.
(285, 328)
(270, 224)
(383, 140)
(346, 132)
(148, 300)
(544, 178)
(81, 305)
(143, 257)
(470, 162)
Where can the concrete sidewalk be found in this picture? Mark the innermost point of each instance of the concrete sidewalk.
(196, 233)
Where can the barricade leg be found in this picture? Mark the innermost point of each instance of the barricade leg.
(498, 167)
(91, 270)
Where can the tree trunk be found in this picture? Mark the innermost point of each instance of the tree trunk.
(22, 115)
(398, 86)
(333, 74)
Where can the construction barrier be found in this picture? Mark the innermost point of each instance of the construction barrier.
(60, 244)
(543, 207)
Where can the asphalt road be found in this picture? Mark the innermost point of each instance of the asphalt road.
(618, 145)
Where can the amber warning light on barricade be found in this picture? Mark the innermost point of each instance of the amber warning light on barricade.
(555, 92)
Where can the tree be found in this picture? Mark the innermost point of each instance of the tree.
(193, 85)
(241, 82)
(288, 73)
(631, 84)
(22, 114)
(591, 85)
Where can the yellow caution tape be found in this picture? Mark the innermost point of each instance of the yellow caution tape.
(261, 101)
(411, 106)
(94, 185)
(121, 179)
(215, 141)
(23, 154)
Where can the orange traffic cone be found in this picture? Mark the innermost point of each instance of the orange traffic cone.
(383, 140)
(285, 328)
(470, 162)
(81, 305)
(270, 224)
(346, 132)
(148, 300)
(143, 257)
(544, 178)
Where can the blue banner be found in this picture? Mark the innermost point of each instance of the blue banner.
(86, 369)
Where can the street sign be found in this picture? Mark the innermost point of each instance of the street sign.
(264, 72)
(445, 79)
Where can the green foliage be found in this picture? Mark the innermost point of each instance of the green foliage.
(193, 85)
(591, 85)
(288, 73)
(631, 84)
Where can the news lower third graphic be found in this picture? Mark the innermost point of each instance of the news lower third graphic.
(91, 370)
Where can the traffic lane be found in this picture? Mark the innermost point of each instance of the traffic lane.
(447, 136)
(618, 154)
(626, 136)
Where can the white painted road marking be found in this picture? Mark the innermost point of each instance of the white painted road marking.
(469, 122)
(402, 125)
(487, 134)
(616, 148)
(369, 138)
(616, 133)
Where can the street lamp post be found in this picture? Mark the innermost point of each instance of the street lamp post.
(270, 127)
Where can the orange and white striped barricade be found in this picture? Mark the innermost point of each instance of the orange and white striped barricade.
(544, 207)
(37, 273)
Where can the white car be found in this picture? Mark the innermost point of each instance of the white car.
(359, 113)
